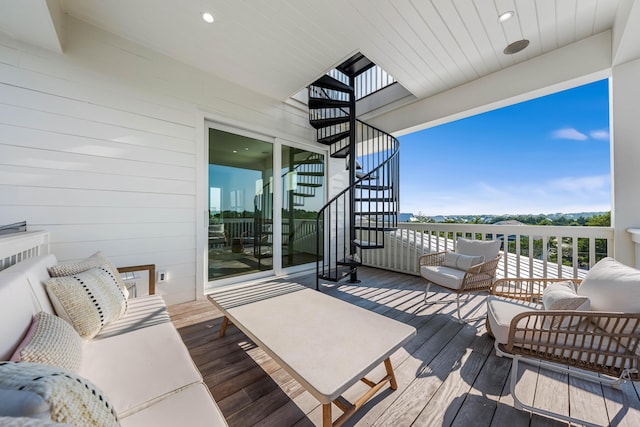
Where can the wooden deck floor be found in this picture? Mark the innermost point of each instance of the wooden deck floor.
(447, 375)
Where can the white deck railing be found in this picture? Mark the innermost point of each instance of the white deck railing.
(17, 247)
(532, 251)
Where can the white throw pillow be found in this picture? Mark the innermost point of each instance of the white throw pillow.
(563, 296)
(71, 399)
(96, 260)
(50, 340)
(87, 300)
(461, 261)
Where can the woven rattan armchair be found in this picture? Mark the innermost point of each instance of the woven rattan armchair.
(603, 345)
(444, 270)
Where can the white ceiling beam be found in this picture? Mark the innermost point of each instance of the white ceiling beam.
(36, 22)
(626, 32)
(579, 63)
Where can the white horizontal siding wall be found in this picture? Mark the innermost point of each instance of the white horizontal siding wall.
(100, 147)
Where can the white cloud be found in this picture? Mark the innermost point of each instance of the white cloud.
(599, 134)
(581, 184)
(569, 133)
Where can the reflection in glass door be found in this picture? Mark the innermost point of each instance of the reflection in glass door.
(240, 205)
(303, 192)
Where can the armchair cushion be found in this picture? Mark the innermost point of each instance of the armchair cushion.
(487, 249)
(501, 310)
(441, 275)
(461, 261)
(612, 286)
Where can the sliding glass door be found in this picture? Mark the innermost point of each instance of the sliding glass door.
(247, 234)
(240, 237)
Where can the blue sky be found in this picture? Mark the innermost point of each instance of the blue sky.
(547, 155)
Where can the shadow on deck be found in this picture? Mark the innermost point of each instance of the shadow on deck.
(448, 374)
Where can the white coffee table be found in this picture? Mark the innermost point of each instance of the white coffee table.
(326, 344)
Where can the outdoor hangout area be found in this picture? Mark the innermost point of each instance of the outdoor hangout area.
(332, 213)
(392, 349)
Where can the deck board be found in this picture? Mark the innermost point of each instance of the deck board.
(447, 375)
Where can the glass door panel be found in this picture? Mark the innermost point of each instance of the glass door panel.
(303, 190)
(240, 205)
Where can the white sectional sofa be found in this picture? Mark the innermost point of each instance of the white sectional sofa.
(139, 361)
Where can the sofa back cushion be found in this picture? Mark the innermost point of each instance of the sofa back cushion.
(17, 308)
(36, 269)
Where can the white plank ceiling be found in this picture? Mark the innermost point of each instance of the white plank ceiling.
(277, 47)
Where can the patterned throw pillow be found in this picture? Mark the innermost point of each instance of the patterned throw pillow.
(50, 340)
(28, 422)
(87, 300)
(96, 260)
(72, 399)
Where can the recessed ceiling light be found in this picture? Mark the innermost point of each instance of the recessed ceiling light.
(208, 17)
(235, 151)
(516, 47)
(505, 16)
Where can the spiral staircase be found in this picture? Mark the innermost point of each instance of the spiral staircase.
(358, 217)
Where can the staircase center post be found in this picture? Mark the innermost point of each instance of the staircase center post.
(352, 178)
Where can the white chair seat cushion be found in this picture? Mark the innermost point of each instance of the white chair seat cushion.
(500, 311)
(131, 370)
(193, 407)
(142, 312)
(447, 277)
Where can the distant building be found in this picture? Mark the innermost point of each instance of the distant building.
(405, 217)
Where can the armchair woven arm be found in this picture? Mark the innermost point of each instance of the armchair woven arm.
(602, 342)
(436, 258)
(524, 289)
(480, 277)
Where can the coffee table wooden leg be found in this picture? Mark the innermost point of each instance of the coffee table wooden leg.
(326, 415)
(393, 384)
(223, 328)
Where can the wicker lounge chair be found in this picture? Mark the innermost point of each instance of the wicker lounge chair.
(470, 268)
(595, 329)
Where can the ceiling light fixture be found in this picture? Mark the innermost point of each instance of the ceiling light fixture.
(516, 47)
(505, 16)
(207, 17)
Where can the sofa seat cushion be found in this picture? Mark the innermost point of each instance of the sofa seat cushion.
(142, 312)
(500, 311)
(192, 406)
(444, 276)
(140, 366)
